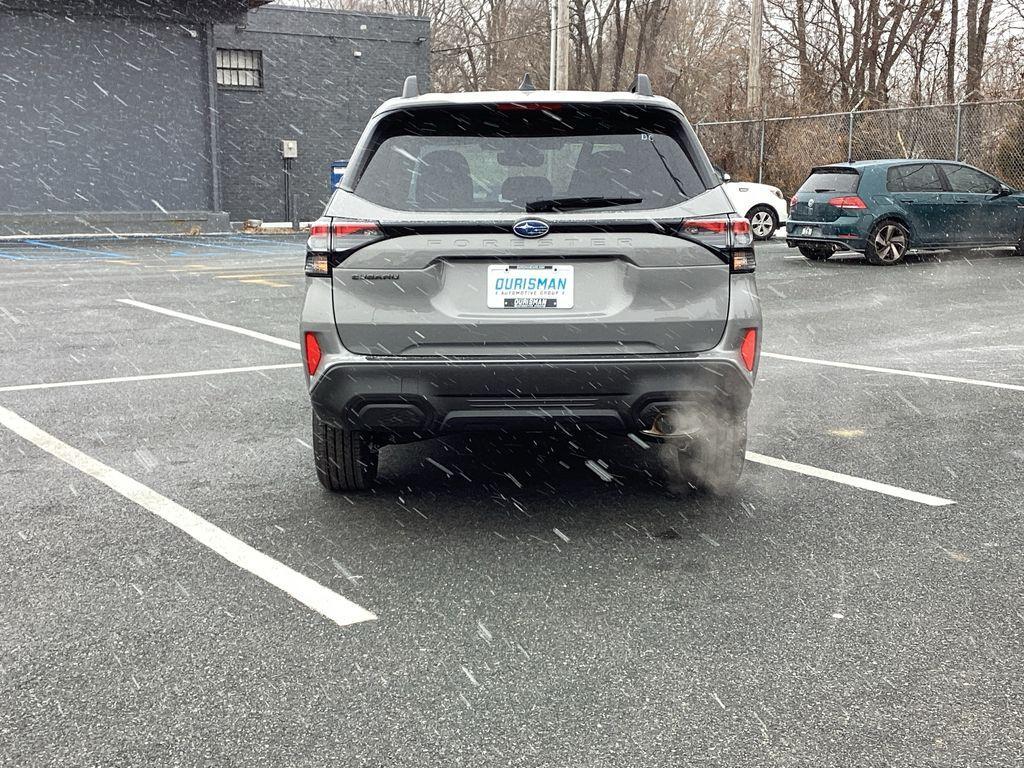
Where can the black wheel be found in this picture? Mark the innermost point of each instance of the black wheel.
(345, 459)
(713, 460)
(764, 222)
(888, 244)
(816, 252)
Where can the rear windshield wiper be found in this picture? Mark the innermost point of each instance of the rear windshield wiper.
(576, 203)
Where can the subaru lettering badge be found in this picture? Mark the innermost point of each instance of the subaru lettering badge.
(531, 228)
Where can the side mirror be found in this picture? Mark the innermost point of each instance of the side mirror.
(726, 176)
(1002, 191)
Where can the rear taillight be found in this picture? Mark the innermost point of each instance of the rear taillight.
(728, 234)
(748, 348)
(792, 202)
(331, 240)
(848, 202)
(313, 353)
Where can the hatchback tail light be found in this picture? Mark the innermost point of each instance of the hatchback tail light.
(848, 202)
(331, 240)
(728, 234)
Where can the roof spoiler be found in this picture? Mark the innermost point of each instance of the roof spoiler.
(641, 85)
(411, 87)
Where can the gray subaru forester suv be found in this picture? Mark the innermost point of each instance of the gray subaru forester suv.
(522, 261)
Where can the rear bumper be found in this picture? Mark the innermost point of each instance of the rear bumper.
(847, 232)
(416, 398)
(406, 398)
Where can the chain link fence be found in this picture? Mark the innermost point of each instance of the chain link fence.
(781, 150)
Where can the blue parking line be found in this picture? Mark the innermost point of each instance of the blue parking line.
(194, 255)
(36, 255)
(88, 251)
(234, 248)
(275, 243)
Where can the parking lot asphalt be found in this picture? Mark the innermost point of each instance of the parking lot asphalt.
(546, 602)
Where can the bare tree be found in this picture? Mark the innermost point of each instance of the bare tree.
(819, 55)
(979, 17)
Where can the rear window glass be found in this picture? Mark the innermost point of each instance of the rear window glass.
(828, 180)
(489, 158)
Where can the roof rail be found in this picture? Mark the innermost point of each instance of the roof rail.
(641, 85)
(527, 83)
(411, 87)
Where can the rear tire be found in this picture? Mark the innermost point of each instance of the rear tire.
(345, 459)
(888, 244)
(713, 461)
(764, 222)
(816, 252)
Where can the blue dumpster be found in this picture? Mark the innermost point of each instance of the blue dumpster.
(338, 172)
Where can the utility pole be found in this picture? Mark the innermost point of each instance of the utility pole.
(754, 56)
(562, 49)
(553, 52)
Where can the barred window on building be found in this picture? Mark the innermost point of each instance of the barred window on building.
(239, 68)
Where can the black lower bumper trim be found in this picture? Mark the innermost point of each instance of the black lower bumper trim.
(415, 399)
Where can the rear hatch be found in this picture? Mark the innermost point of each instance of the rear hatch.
(811, 202)
(528, 231)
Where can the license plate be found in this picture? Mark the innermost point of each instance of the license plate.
(529, 286)
(807, 230)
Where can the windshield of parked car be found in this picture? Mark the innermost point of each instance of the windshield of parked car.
(511, 157)
(831, 180)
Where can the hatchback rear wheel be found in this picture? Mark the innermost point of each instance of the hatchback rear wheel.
(888, 244)
(345, 459)
(763, 222)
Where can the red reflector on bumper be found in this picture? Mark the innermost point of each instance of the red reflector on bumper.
(748, 348)
(313, 353)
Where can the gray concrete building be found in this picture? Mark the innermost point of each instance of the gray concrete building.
(123, 116)
(323, 74)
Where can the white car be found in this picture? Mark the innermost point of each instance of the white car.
(764, 205)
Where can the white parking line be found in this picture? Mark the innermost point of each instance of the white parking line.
(148, 377)
(855, 482)
(308, 592)
(896, 371)
(778, 356)
(212, 323)
(804, 469)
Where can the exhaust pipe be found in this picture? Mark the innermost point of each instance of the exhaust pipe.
(663, 424)
(673, 425)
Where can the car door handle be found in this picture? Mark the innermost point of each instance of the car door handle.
(962, 199)
(904, 200)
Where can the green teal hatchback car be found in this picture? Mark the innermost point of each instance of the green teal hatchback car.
(887, 208)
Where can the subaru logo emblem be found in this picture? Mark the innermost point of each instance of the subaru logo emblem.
(531, 228)
(810, 203)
